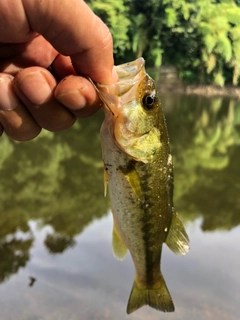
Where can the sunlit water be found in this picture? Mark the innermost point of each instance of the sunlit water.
(55, 225)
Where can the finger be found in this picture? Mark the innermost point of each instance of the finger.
(78, 95)
(37, 52)
(14, 27)
(74, 30)
(62, 67)
(15, 120)
(34, 86)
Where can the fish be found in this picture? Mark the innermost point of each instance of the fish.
(138, 173)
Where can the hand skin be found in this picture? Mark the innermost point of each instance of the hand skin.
(47, 47)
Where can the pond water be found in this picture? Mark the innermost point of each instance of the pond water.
(56, 259)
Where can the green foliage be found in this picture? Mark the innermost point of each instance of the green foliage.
(56, 180)
(171, 17)
(205, 139)
(115, 15)
(212, 24)
(199, 37)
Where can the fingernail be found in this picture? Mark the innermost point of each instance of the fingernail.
(8, 100)
(35, 88)
(72, 99)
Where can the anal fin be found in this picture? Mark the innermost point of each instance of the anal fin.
(177, 239)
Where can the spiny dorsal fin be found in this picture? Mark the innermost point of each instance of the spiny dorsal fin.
(177, 239)
(119, 248)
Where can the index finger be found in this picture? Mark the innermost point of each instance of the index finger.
(74, 30)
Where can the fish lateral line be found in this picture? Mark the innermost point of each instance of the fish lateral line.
(101, 96)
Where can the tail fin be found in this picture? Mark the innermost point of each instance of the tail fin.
(157, 296)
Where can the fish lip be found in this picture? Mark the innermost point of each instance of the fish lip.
(130, 70)
(129, 74)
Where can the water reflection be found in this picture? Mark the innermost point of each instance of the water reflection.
(55, 180)
(52, 188)
(205, 137)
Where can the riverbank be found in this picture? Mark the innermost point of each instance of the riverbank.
(168, 81)
(204, 90)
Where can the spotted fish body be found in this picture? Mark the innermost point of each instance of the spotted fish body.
(139, 174)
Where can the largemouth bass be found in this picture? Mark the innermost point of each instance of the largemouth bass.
(139, 173)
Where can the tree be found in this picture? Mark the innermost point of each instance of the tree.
(200, 37)
(115, 15)
(219, 27)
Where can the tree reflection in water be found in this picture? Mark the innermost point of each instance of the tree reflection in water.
(205, 137)
(56, 180)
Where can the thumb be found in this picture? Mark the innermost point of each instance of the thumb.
(74, 30)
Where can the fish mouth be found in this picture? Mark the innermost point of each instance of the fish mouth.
(117, 94)
(129, 72)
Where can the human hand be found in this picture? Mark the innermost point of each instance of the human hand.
(46, 47)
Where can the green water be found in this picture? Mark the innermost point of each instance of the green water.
(55, 224)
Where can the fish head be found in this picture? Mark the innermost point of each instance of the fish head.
(132, 108)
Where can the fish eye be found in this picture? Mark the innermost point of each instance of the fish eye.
(148, 100)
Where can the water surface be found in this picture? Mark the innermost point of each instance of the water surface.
(55, 225)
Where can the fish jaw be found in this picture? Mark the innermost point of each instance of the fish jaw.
(119, 94)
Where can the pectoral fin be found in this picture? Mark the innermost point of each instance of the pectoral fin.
(133, 178)
(177, 239)
(119, 248)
